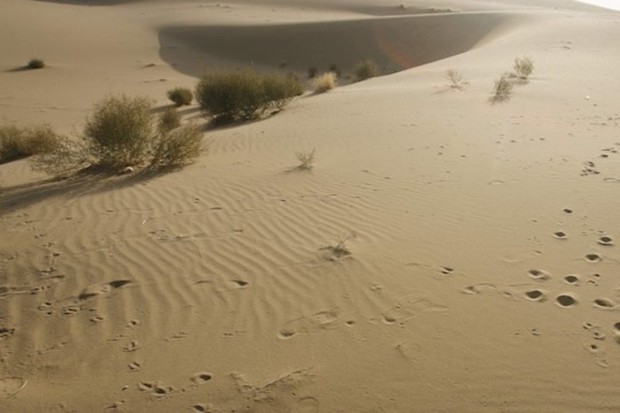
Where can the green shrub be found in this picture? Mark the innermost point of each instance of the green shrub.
(244, 95)
(365, 70)
(168, 120)
(523, 67)
(178, 147)
(121, 132)
(36, 64)
(181, 96)
(325, 82)
(16, 143)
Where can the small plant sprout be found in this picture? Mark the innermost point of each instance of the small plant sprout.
(306, 159)
(456, 79)
(523, 67)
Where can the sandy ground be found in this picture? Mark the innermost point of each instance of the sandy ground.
(483, 274)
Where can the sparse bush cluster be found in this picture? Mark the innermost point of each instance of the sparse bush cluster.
(16, 143)
(502, 88)
(245, 95)
(181, 96)
(122, 133)
(456, 79)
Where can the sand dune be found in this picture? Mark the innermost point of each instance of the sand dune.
(482, 239)
(395, 43)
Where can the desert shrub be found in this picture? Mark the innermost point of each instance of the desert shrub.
(181, 96)
(523, 67)
(16, 143)
(325, 82)
(335, 69)
(178, 147)
(502, 89)
(36, 64)
(306, 159)
(245, 95)
(67, 158)
(120, 133)
(168, 120)
(365, 70)
(456, 79)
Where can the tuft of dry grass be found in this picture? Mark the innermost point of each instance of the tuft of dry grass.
(306, 159)
(181, 96)
(178, 148)
(16, 143)
(502, 89)
(523, 67)
(365, 70)
(325, 82)
(168, 120)
(36, 64)
(456, 79)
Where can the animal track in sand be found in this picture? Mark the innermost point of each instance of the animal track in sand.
(566, 300)
(10, 386)
(604, 303)
(155, 388)
(70, 310)
(536, 295)
(593, 257)
(605, 240)
(539, 275)
(134, 366)
(617, 327)
(446, 270)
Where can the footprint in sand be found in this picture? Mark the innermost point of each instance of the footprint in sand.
(10, 386)
(572, 279)
(605, 240)
(6, 332)
(560, 235)
(446, 270)
(322, 320)
(617, 332)
(70, 310)
(201, 378)
(155, 388)
(409, 308)
(101, 289)
(539, 275)
(593, 257)
(605, 303)
(566, 300)
(201, 408)
(134, 366)
(306, 405)
(536, 295)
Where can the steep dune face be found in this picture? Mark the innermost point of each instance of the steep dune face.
(395, 43)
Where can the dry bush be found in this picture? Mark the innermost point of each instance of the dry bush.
(501, 89)
(523, 67)
(456, 79)
(36, 64)
(168, 120)
(365, 70)
(306, 159)
(16, 143)
(177, 148)
(121, 132)
(181, 96)
(245, 95)
(67, 158)
(325, 82)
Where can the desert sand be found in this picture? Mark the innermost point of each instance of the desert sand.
(483, 269)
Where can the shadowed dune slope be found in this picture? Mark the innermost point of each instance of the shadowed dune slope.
(395, 43)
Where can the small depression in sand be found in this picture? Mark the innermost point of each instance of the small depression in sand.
(566, 300)
(605, 241)
(572, 279)
(395, 43)
(539, 274)
(535, 295)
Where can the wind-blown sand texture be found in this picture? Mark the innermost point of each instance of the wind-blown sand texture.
(480, 264)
